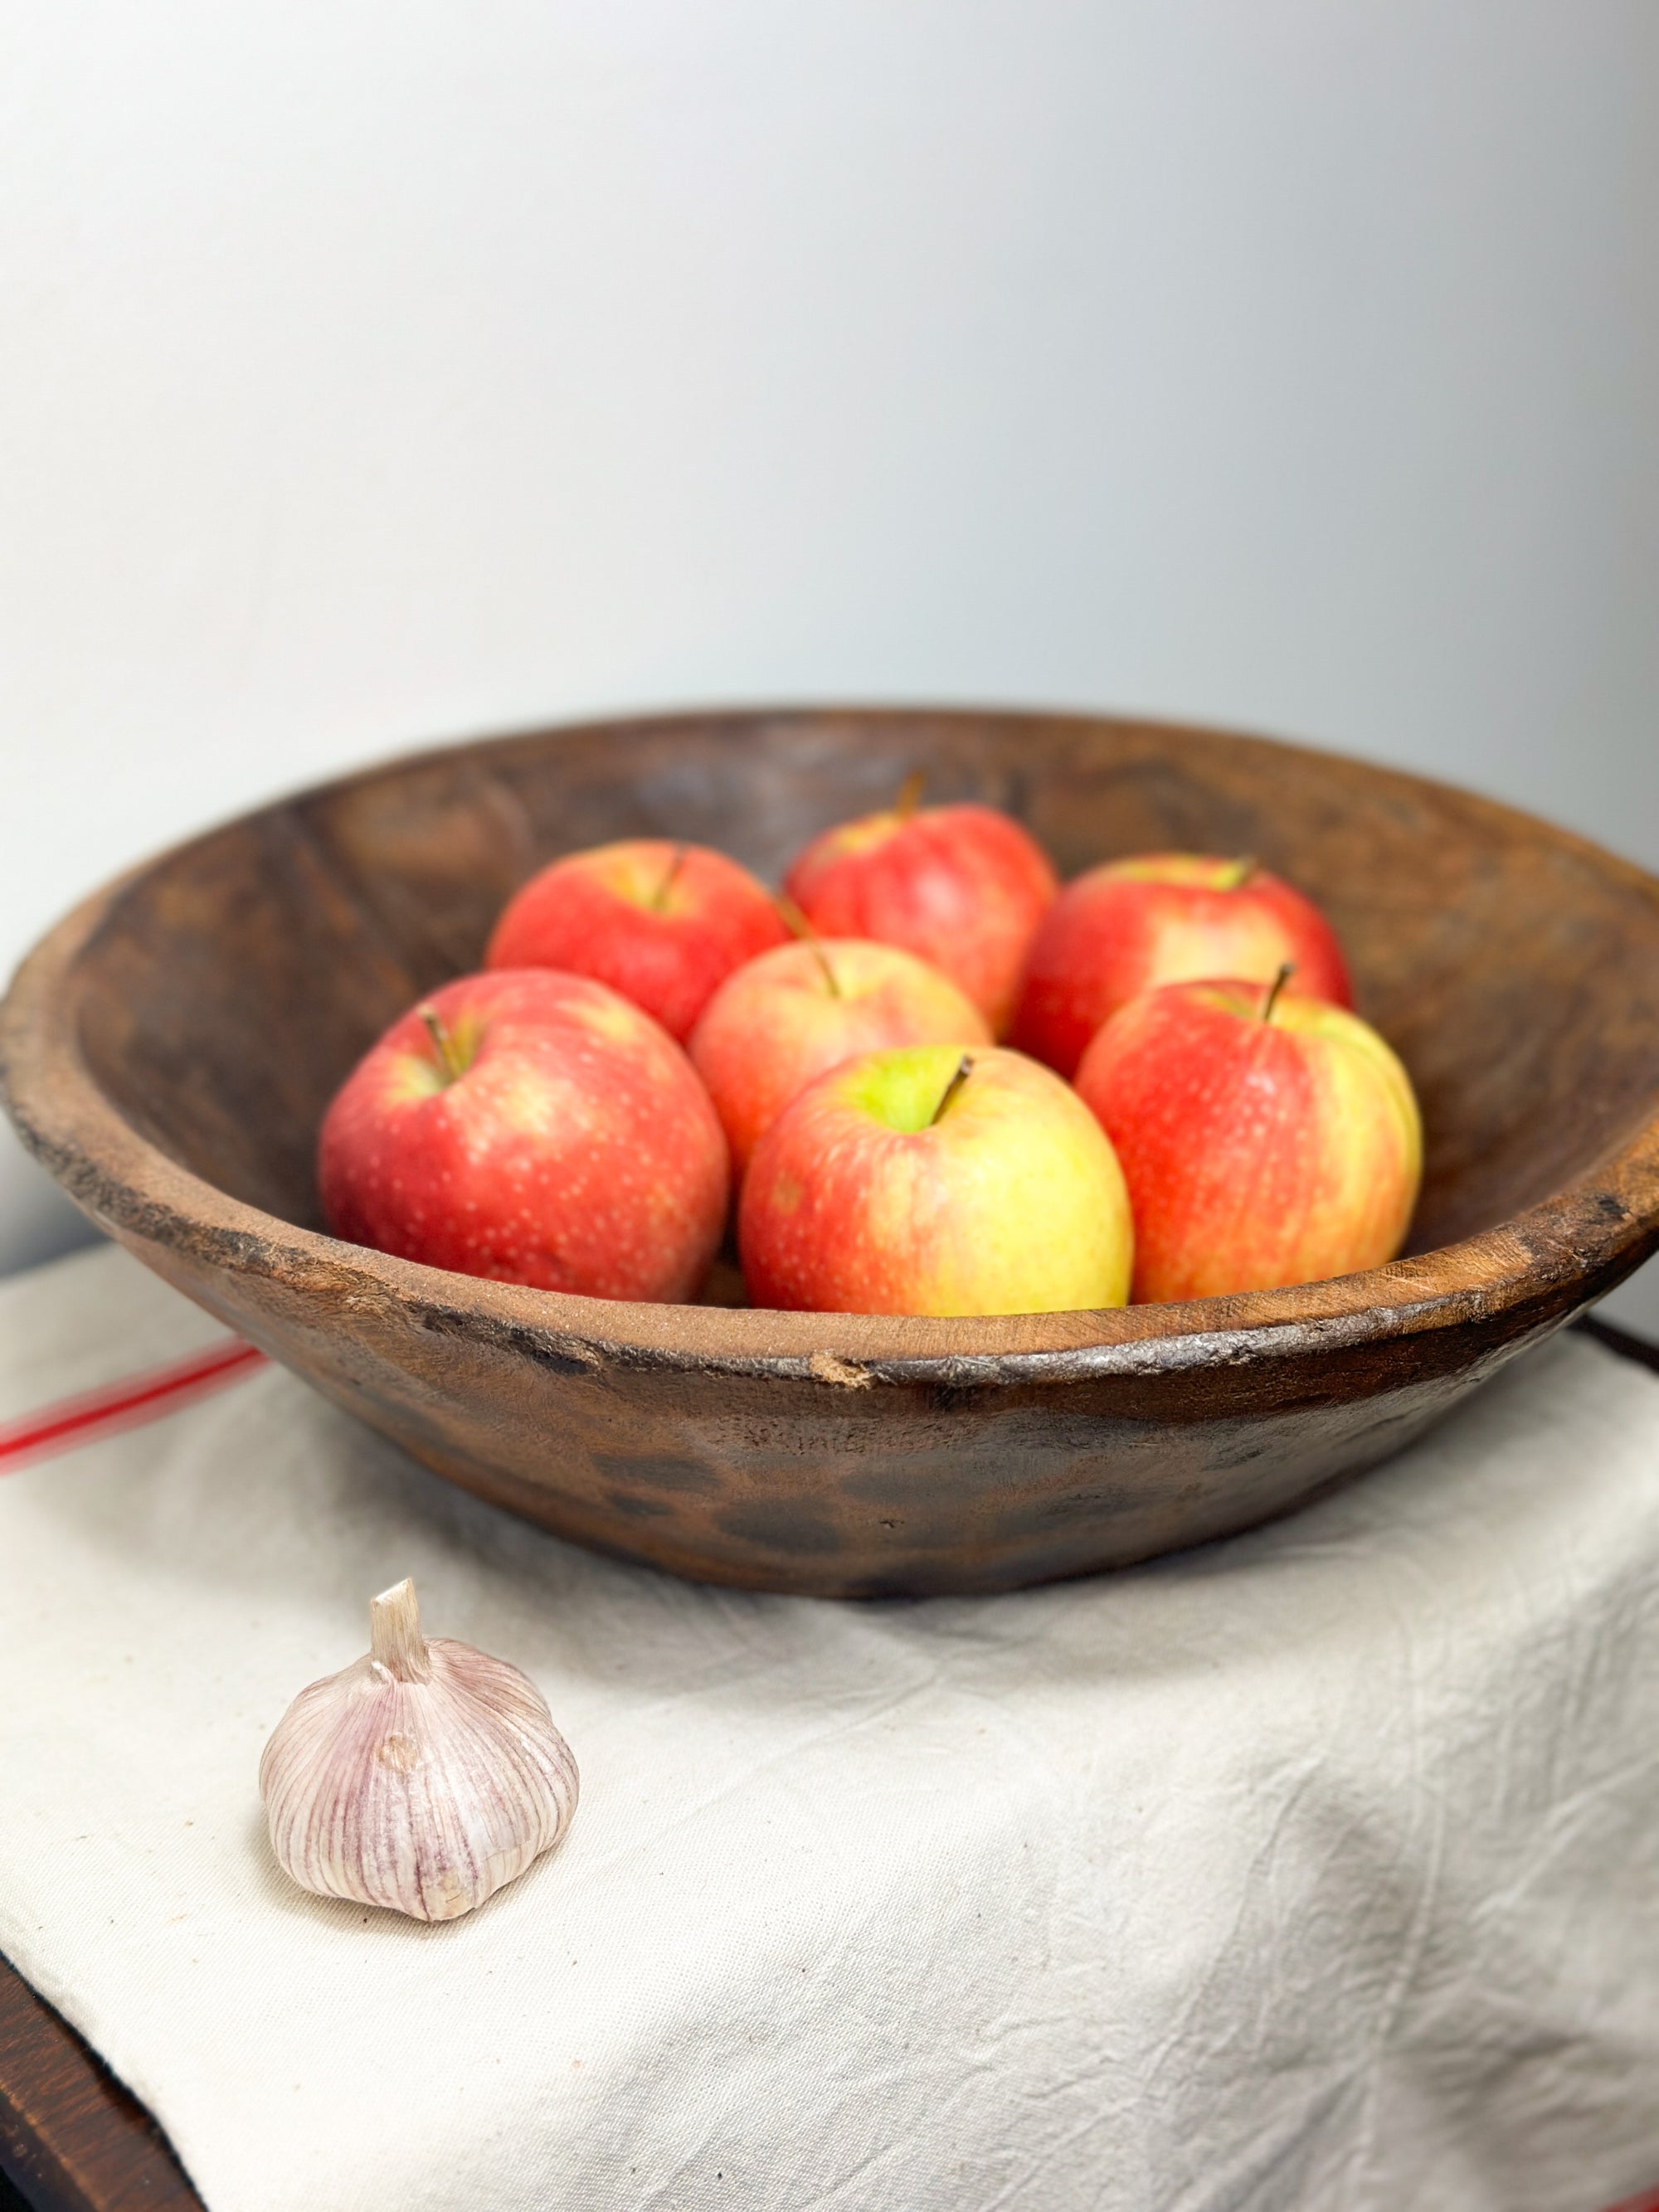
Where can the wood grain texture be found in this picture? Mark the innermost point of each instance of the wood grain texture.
(71, 2138)
(169, 1049)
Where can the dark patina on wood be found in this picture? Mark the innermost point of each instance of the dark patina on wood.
(169, 1048)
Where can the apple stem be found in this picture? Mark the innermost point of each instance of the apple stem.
(1276, 988)
(823, 959)
(660, 898)
(963, 1069)
(909, 794)
(792, 917)
(442, 1043)
(1239, 872)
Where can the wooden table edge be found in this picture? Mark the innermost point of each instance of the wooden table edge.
(1638, 1348)
(72, 2139)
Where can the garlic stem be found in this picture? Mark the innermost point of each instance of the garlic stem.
(395, 1641)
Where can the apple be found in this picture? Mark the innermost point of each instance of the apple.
(963, 887)
(664, 924)
(1130, 925)
(534, 1128)
(1265, 1140)
(929, 1180)
(792, 1013)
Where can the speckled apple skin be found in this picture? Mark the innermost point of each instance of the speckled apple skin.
(964, 887)
(1257, 1153)
(1130, 925)
(779, 1023)
(1010, 1202)
(578, 1151)
(664, 924)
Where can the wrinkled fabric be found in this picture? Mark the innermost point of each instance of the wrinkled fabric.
(1313, 1871)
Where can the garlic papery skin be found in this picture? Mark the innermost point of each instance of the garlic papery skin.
(422, 1777)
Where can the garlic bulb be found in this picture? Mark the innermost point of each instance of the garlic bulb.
(423, 1778)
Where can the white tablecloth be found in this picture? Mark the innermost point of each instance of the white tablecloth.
(1318, 1870)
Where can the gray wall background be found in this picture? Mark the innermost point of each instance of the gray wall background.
(381, 372)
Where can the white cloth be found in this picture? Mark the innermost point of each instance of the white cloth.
(1313, 1872)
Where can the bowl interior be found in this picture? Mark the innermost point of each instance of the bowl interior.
(232, 985)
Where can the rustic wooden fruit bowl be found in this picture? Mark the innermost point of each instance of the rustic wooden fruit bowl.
(169, 1049)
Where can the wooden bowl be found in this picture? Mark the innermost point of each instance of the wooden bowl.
(169, 1049)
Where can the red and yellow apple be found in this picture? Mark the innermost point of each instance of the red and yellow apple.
(1265, 1140)
(664, 924)
(1130, 925)
(962, 887)
(784, 1018)
(929, 1180)
(533, 1127)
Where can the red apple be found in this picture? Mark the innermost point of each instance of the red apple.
(1129, 926)
(933, 1180)
(663, 924)
(1265, 1140)
(963, 887)
(785, 1017)
(534, 1128)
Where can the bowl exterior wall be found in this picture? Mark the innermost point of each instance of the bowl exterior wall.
(875, 1489)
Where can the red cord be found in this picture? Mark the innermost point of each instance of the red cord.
(126, 1404)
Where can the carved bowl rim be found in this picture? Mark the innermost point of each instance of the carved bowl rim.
(1566, 1251)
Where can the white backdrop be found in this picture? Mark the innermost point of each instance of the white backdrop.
(375, 372)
